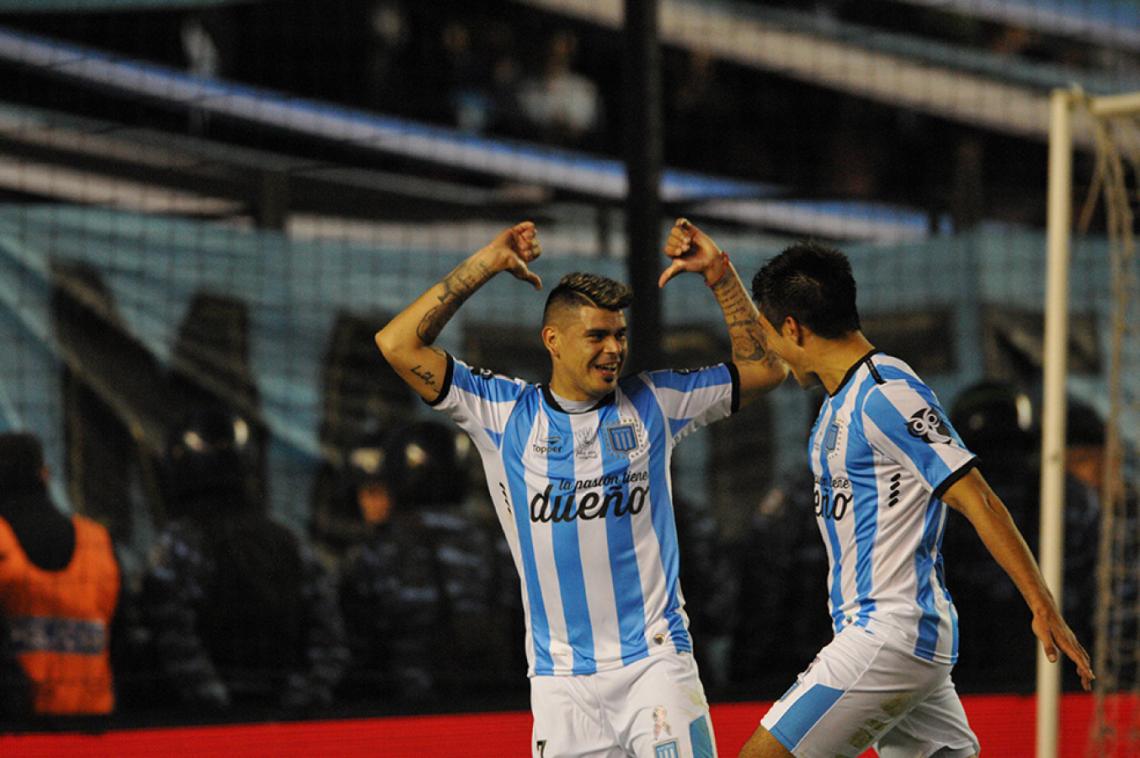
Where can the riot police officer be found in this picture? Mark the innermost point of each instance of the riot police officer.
(241, 611)
(352, 501)
(429, 599)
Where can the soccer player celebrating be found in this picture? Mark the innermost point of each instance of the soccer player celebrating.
(578, 470)
(886, 463)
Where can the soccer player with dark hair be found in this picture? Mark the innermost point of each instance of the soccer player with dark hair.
(886, 463)
(578, 470)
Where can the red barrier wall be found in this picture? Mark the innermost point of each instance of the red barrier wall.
(1003, 723)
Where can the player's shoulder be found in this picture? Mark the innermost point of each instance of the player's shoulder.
(687, 379)
(893, 384)
(892, 378)
(481, 372)
(483, 381)
(901, 400)
(640, 381)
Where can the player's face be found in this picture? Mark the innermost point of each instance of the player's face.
(588, 353)
(788, 349)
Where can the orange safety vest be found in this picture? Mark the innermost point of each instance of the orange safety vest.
(60, 620)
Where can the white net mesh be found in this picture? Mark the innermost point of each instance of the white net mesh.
(1114, 193)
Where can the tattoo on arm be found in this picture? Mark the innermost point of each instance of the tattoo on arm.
(457, 287)
(427, 377)
(740, 315)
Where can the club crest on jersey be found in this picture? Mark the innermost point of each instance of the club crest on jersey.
(832, 437)
(623, 438)
(928, 426)
(666, 750)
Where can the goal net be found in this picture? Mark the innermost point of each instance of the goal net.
(1109, 207)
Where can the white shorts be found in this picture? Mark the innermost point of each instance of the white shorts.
(861, 691)
(652, 708)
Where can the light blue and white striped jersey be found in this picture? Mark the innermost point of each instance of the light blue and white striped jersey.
(882, 453)
(586, 503)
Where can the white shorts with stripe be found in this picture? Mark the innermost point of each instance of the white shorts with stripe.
(861, 691)
(652, 708)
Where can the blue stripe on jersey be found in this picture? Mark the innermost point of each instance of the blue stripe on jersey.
(804, 714)
(940, 574)
(515, 437)
(661, 506)
(495, 437)
(953, 609)
(927, 642)
(624, 572)
(677, 424)
(835, 403)
(884, 414)
(687, 381)
(701, 738)
(567, 554)
(495, 388)
(865, 505)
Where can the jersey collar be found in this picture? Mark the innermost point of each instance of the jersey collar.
(855, 367)
(549, 397)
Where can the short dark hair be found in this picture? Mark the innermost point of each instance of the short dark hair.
(578, 289)
(812, 283)
(21, 462)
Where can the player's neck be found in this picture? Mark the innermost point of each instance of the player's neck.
(835, 357)
(567, 389)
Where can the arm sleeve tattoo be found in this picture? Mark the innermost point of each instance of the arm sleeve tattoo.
(457, 287)
(740, 314)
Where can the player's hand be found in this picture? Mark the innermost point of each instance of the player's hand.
(1054, 632)
(513, 250)
(692, 250)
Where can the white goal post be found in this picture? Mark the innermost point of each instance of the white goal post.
(1071, 113)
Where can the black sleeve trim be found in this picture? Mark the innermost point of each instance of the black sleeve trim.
(446, 383)
(949, 481)
(734, 372)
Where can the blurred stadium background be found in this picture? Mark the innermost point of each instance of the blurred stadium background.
(212, 199)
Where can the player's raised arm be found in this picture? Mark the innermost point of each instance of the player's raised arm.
(692, 250)
(406, 340)
(971, 495)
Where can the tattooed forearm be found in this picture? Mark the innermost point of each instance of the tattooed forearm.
(741, 316)
(457, 287)
(747, 342)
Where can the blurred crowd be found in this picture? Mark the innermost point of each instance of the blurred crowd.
(520, 72)
(402, 596)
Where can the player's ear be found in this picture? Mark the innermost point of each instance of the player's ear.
(791, 329)
(550, 338)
